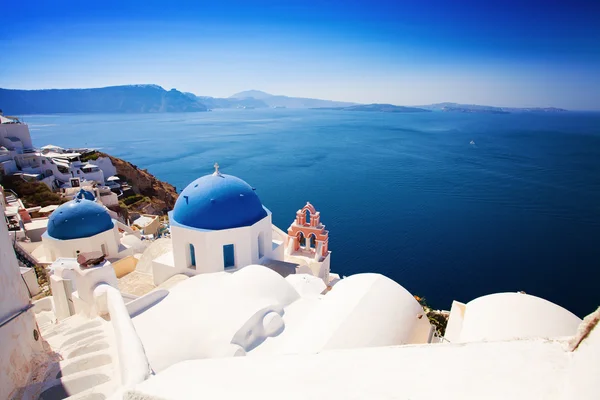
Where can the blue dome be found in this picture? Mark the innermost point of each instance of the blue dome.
(218, 201)
(84, 194)
(78, 219)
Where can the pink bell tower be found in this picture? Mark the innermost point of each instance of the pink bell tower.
(308, 235)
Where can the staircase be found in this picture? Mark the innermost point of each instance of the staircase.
(81, 365)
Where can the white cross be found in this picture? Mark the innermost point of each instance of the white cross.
(216, 168)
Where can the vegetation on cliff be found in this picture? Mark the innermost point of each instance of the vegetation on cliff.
(150, 196)
(147, 195)
(32, 193)
(437, 318)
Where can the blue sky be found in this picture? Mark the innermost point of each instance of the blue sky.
(505, 53)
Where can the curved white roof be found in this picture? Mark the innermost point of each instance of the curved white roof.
(505, 316)
(201, 315)
(306, 284)
(257, 310)
(360, 311)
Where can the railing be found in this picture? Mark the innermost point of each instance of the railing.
(15, 315)
(24, 257)
(133, 363)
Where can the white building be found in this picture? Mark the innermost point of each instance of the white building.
(219, 224)
(14, 135)
(20, 339)
(48, 164)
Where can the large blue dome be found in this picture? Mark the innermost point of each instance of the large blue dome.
(218, 201)
(77, 219)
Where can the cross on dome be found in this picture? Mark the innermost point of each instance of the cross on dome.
(216, 169)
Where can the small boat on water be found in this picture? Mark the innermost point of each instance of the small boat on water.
(472, 142)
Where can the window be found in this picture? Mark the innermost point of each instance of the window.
(261, 246)
(313, 241)
(103, 249)
(192, 257)
(307, 217)
(301, 239)
(228, 256)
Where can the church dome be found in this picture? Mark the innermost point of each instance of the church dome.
(218, 201)
(84, 194)
(77, 219)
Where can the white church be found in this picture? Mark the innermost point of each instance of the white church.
(84, 225)
(233, 306)
(219, 224)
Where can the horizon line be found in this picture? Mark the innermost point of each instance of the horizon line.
(300, 97)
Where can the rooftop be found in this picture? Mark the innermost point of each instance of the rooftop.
(4, 119)
(145, 220)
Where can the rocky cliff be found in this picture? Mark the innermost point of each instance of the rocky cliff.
(154, 196)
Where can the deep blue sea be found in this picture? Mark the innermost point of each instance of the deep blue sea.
(405, 195)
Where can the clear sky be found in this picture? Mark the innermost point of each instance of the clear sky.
(505, 53)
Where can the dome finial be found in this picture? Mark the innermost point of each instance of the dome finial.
(216, 169)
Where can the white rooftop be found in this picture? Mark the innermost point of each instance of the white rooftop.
(525, 370)
(144, 221)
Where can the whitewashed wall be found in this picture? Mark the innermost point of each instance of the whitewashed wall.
(56, 248)
(17, 343)
(106, 166)
(208, 246)
(20, 131)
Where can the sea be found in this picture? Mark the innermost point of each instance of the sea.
(452, 206)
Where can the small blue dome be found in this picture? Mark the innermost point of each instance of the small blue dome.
(218, 201)
(84, 194)
(77, 219)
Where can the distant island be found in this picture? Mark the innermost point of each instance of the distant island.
(278, 101)
(377, 108)
(474, 108)
(155, 99)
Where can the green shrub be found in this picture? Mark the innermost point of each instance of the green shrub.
(32, 193)
(132, 199)
(91, 156)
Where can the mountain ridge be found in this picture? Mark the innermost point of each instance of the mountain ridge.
(257, 94)
(109, 99)
(151, 98)
(273, 100)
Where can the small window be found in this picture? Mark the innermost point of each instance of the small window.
(192, 257)
(103, 249)
(261, 247)
(228, 256)
(313, 241)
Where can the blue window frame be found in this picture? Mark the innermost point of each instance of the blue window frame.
(192, 256)
(228, 256)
